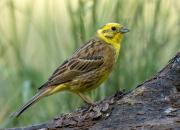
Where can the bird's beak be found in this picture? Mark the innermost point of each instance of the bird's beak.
(124, 30)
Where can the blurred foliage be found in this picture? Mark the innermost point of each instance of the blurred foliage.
(37, 35)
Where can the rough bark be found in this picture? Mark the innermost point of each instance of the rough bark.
(153, 105)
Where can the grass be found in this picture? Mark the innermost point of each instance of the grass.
(37, 36)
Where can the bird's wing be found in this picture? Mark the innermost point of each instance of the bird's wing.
(76, 67)
(79, 64)
(72, 68)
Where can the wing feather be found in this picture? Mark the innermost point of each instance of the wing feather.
(75, 66)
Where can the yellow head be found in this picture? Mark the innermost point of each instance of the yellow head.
(112, 33)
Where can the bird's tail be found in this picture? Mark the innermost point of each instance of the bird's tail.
(37, 97)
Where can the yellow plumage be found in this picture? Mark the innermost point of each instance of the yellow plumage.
(87, 68)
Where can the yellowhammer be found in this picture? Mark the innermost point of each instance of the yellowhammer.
(87, 68)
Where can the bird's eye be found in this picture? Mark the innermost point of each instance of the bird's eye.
(113, 28)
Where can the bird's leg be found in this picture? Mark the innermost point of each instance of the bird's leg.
(86, 98)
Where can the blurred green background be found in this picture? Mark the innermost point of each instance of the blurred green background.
(38, 35)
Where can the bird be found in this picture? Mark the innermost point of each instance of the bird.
(87, 68)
